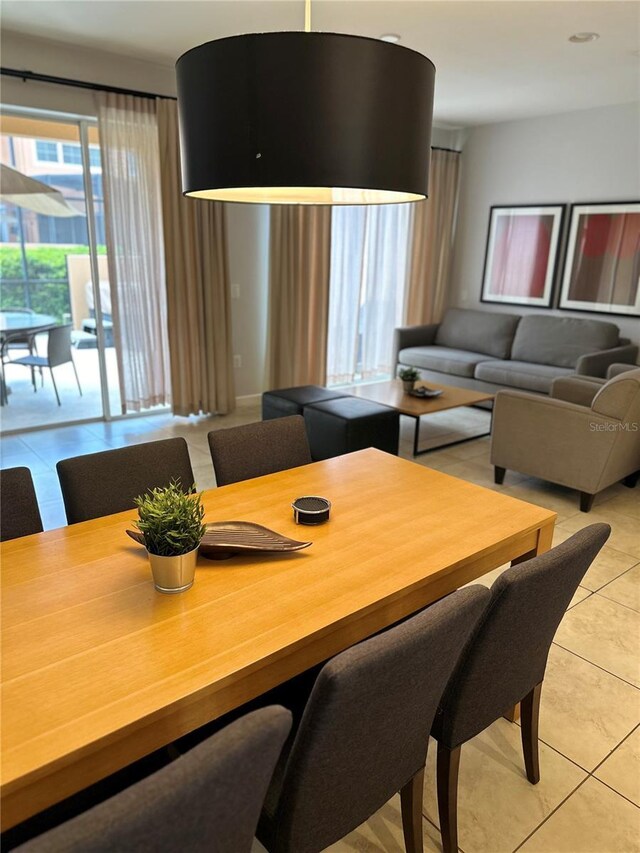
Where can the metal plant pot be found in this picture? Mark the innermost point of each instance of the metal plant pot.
(408, 384)
(173, 574)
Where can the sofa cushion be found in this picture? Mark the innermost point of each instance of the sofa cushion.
(561, 340)
(478, 331)
(520, 374)
(455, 361)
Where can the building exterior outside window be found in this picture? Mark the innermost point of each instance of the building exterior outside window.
(46, 152)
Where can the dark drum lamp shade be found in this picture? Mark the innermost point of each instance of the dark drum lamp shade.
(305, 118)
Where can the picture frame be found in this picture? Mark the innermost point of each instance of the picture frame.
(522, 254)
(602, 259)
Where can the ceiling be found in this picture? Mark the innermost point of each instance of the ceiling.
(495, 61)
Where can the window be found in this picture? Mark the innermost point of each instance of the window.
(46, 152)
(72, 155)
(94, 156)
(367, 284)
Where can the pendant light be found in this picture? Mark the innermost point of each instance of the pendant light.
(305, 118)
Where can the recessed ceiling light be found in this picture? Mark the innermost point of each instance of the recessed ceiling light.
(583, 38)
(392, 37)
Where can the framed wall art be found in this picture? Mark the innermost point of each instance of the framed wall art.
(602, 261)
(521, 258)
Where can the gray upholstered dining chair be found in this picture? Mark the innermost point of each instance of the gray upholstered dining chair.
(19, 511)
(58, 352)
(504, 661)
(207, 800)
(240, 453)
(364, 731)
(102, 483)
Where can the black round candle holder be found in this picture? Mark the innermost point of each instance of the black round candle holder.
(311, 509)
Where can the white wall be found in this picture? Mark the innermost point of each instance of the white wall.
(589, 155)
(247, 225)
(77, 63)
(248, 238)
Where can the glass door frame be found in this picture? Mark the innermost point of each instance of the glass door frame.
(82, 123)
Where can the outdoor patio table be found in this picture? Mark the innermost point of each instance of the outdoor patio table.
(18, 324)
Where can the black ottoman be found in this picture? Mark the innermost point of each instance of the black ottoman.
(291, 401)
(347, 424)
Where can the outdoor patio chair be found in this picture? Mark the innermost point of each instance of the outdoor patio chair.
(58, 352)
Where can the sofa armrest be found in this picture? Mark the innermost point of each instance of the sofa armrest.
(412, 336)
(596, 363)
(576, 389)
(551, 439)
(617, 369)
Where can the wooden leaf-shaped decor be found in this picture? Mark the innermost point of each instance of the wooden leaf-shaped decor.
(225, 538)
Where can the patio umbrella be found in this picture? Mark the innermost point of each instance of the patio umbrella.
(34, 195)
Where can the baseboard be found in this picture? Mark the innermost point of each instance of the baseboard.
(248, 400)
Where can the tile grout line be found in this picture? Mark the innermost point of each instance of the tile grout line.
(610, 547)
(626, 737)
(571, 606)
(607, 757)
(566, 758)
(624, 572)
(551, 813)
(600, 763)
(437, 829)
(613, 600)
(606, 784)
(590, 775)
(630, 683)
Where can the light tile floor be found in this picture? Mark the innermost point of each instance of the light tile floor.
(588, 798)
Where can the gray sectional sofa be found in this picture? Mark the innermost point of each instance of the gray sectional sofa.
(487, 351)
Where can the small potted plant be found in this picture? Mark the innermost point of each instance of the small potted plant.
(171, 522)
(409, 376)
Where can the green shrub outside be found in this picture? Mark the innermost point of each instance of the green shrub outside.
(44, 262)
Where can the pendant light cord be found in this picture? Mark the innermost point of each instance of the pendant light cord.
(307, 16)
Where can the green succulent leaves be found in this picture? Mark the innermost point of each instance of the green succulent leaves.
(409, 374)
(170, 520)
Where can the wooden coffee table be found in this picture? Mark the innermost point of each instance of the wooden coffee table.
(391, 393)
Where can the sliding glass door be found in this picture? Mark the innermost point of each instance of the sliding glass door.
(367, 287)
(58, 350)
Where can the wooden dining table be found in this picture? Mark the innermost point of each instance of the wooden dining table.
(99, 669)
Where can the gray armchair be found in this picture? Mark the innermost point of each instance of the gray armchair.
(586, 436)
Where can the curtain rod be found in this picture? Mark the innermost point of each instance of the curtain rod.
(79, 84)
(98, 87)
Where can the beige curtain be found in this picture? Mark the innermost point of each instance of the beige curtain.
(133, 219)
(299, 261)
(198, 297)
(432, 241)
